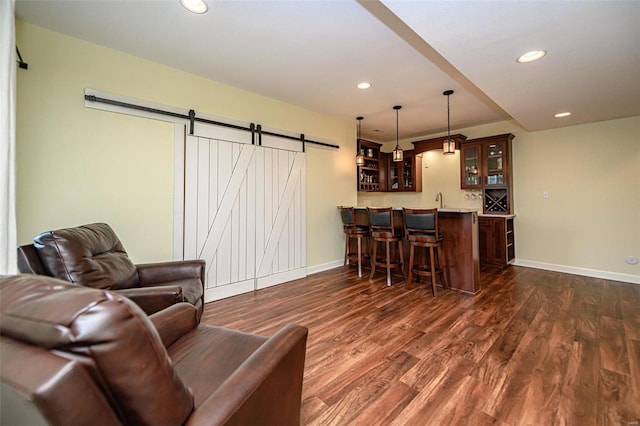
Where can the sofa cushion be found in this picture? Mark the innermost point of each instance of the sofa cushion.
(89, 255)
(107, 329)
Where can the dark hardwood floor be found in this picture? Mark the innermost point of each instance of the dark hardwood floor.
(533, 348)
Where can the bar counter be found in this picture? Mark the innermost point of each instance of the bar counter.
(461, 257)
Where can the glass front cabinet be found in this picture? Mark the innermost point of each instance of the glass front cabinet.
(485, 164)
(470, 166)
(381, 174)
(405, 175)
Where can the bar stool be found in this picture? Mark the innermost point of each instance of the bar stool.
(421, 229)
(352, 229)
(382, 230)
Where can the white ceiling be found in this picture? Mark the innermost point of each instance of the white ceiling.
(313, 53)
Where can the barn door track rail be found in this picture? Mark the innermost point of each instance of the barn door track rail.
(256, 130)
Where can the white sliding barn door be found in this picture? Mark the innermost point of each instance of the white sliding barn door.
(244, 211)
(281, 218)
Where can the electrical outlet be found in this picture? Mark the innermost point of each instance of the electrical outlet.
(545, 194)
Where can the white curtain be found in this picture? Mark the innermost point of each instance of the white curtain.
(8, 239)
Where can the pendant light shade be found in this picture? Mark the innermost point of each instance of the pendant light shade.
(359, 154)
(449, 145)
(397, 153)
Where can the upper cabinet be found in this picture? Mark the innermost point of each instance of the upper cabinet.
(471, 166)
(380, 173)
(485, 164)
(369, 175)
(405, 175)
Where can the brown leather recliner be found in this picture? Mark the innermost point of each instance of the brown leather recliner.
(74, 355)
(93, 256)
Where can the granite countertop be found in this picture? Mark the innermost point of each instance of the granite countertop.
(457, 210)
(443, 210)
(506, 216)
(454, 210)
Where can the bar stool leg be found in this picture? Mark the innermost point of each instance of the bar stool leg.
(359, 257)
(373, 259)
(440, 259)
(388, 263)
(411, 251)
(433, 271)
(346, 248)
(402, 268)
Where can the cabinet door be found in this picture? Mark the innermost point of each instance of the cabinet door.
(405, 175)
(492, 241)
(494, 164)
(395, 175)
(471, 166)
(407, 172)
(385, 159)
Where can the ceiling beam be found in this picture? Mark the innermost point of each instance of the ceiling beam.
(398, 26)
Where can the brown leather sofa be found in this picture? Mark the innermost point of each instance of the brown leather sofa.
(93, 256)
(79, 356)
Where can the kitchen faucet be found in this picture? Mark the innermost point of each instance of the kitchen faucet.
(440, 197)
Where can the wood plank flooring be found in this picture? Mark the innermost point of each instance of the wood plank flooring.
(533, 348)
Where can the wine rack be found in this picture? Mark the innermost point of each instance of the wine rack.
(496, 201)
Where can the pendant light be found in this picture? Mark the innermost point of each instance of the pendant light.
(359, 154)
(397, 153)
(449, 145)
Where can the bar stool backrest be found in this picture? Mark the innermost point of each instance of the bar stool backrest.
(380, 219)
(420, 221)
(348, 216)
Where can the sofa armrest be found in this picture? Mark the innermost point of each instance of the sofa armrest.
(29, 262)
(265, 389)
(153, 299)
(152, 273)
(175, 321)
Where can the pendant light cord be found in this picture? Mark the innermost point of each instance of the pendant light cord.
(448, 121)
(397, 129)
(448, 145)
(359, 133)
(397, 108)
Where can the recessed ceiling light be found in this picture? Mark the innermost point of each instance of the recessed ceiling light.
(364, 85)
(195, 6)
(562, 114)
(534, 55)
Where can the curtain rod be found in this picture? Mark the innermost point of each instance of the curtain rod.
(192, 119)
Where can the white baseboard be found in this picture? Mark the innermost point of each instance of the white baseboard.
(595, 273)
(281, 277)
(324, 267)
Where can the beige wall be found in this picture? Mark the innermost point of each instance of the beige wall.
(77, 165)
(591, 219)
